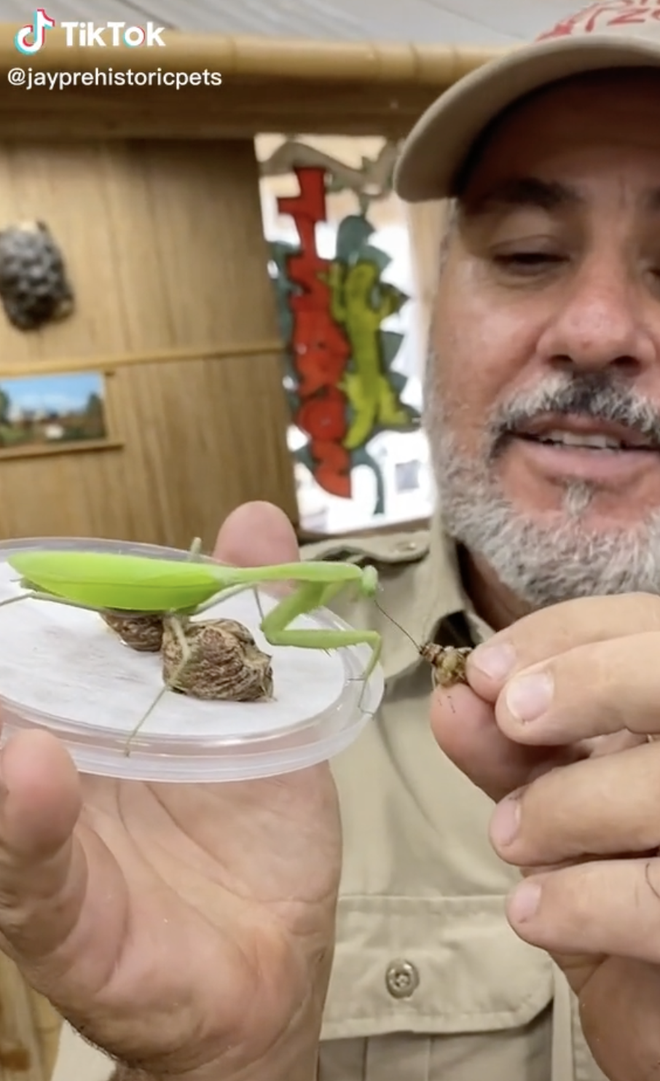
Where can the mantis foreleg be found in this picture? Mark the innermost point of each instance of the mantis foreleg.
(306, 598)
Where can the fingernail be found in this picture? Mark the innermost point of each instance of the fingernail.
(494, 661)
(529, 696)
(505, 822)
(524, 902)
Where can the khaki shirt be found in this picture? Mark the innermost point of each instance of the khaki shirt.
(429, 982)
(29, 1029)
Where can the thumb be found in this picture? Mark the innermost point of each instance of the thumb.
(42, 874)
(256, 534)
(465, 728)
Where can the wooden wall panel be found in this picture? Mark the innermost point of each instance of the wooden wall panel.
(165, 249)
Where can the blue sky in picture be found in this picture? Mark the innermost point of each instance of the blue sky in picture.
(51, 393)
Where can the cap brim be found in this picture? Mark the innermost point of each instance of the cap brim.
(440, 141)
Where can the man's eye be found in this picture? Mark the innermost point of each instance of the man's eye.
(527, 260)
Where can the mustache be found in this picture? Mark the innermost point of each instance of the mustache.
(596, 395)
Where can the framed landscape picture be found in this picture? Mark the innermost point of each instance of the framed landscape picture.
(41, 413)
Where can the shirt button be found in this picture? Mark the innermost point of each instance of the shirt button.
(401, 979)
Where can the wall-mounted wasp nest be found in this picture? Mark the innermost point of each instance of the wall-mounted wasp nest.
(33, 282)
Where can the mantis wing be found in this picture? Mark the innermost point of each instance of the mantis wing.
(123, 582)
(142, 584)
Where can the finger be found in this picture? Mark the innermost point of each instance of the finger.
(465, 729)
(591, 690)
(630, 990)
(256, 534)
(550, 631)
(604, 806)
(606, 907)
(42, 879)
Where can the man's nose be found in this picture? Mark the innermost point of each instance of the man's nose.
(602, 320)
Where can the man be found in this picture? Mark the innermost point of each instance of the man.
(189, 931)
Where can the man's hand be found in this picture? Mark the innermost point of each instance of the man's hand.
(555, 724)
(186, 929)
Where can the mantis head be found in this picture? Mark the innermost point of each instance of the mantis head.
(369, 584)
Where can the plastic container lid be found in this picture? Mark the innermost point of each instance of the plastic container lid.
(63, 669)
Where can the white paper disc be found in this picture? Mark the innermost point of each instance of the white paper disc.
(63, 669)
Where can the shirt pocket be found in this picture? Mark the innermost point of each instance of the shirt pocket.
(521, 1054)
(432, 966)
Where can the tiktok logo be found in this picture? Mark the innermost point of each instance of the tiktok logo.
(32, 37)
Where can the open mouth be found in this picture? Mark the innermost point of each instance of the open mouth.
(585, 433)
(561, 449)
(596, 441)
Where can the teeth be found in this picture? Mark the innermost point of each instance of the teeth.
(573, 439)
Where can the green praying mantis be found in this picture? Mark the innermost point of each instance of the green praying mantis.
(179, 589)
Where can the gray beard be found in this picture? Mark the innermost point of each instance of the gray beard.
(544, 559)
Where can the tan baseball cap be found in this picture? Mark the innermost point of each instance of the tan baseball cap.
(621, 33)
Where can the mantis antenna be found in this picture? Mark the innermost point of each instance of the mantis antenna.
(447, 662)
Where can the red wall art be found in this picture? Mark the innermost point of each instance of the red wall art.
(339, 378)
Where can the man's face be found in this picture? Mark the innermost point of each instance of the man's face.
(543, 382)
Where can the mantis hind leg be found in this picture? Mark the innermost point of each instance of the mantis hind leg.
(13, 600)
(36, 595)
(186, 656)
